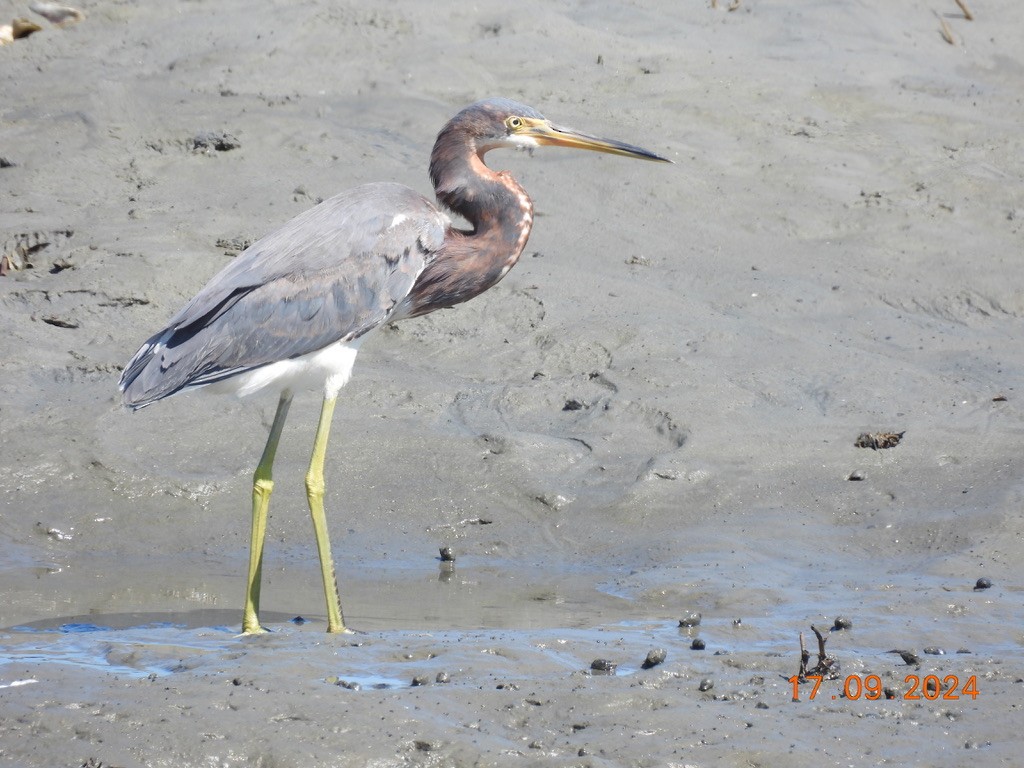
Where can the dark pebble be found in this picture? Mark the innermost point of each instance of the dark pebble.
(654, 658)
(983, 583)
(842, 622)
(447, 556)
(421, 680)
(442, 677)
(697, 644)
(855, 475)
(909, 657)
(690, 619)
(760, 705)
(931, 650)
(603, 666)
(890, 693)
(706, 684)
(350, 686)
(298, 620)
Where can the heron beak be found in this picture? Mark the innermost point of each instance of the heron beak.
(543, 132)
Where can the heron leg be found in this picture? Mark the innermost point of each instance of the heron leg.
(262, 486)
(315, 494)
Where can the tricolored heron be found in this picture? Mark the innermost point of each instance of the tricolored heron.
(292, 310)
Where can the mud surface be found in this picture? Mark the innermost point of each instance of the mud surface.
(654, 414)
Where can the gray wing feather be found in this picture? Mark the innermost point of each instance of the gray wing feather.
(330, 274)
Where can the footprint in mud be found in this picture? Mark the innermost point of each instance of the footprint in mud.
(567, 440)
(964, 308)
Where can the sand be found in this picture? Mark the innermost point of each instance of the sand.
(654, 413)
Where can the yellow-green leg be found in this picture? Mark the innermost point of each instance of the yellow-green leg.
(262, 486)
(315, 494)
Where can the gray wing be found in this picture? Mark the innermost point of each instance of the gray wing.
(330, 274)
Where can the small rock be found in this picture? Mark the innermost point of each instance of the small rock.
(706, 684)
(909, 657)
(842, 622)
(983, 583)
(654, 658)
(877, 440)
(603, 666)
(442, 677)
(931, 650)
(690, 619)
(421, 680)
(447, 556)
(697, 644)
(855, 475)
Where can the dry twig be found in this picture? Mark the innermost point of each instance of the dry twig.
(945, 31)
(967, 11)
(827, 666)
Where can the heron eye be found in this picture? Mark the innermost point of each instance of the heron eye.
(514, 123)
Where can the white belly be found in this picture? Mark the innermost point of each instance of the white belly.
(329, 368)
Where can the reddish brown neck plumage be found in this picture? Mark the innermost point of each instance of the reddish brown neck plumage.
(498, 210)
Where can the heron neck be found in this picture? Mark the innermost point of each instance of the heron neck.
(493, 203)
(500, 214)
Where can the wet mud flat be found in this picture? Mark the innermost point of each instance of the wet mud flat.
(775, 384)
(159, 689)
(164, 694)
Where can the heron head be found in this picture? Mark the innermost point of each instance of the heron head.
(499, 122)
